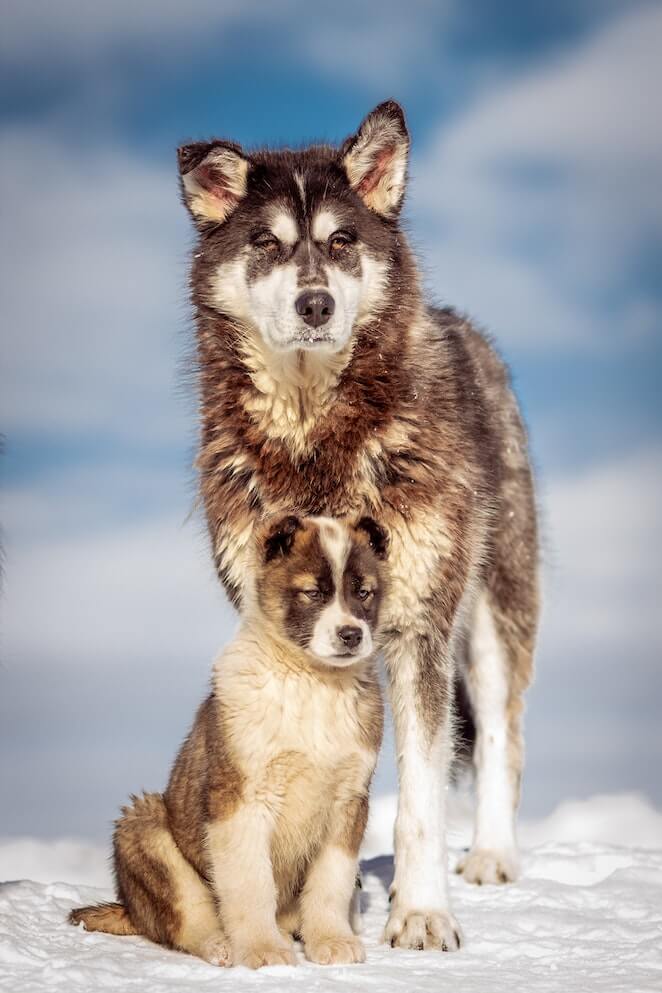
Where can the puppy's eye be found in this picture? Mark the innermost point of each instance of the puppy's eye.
(311, 594)
(339, 241)
(266, 241)
(364, 594)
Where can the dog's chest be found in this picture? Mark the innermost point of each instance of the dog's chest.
(336, 477)
(297, 715)
(300, 748)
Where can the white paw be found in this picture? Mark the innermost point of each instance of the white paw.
(422, 929)
(259, 955)
(216, 950)
(341, 950)
(485, 865)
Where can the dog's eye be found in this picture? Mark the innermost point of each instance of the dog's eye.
(312, 594)
(364, 594)
(267, 241)
(339, 240)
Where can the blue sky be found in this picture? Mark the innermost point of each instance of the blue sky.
(534, 204)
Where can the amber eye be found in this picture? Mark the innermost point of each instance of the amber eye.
(339, 240)
(267, 241)
(364, 594)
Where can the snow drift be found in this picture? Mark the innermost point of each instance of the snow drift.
(585, 916)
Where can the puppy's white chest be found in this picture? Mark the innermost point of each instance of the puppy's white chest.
(298, 715)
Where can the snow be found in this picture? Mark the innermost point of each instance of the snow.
(585, 916)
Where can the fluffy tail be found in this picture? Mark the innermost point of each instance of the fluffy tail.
(111, 918)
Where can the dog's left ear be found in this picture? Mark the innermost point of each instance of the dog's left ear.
(375, 159)
(376, 534)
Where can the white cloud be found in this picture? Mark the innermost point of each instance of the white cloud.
(593, 712)
(604, 578)
(374, 43)
(379, 44)
(80, 31)
(537, 200)
(93, 288)
(131, 595)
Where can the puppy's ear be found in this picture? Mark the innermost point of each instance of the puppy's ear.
(376, 535)
(280, 537)
(213, 175)
(375, 159)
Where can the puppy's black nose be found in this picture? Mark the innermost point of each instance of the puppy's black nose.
(315, 306)
(350, 636)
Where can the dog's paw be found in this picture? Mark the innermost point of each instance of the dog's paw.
(216, 950)
(258, 955)
(422, 929)
(484, 865)
(340, 950)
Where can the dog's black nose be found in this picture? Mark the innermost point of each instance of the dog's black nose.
(350, 636)
(315, 306)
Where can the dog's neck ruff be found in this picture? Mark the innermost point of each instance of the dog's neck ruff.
(292, 389)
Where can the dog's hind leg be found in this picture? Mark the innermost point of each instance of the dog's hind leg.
(166, 898)
(160, 893)
(498, 671)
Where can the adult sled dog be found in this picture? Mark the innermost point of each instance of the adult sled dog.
(328, 386)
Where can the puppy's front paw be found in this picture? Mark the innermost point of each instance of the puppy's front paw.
(483, 865)
(216, 950)
(340, 950)
(259, 955)
(422, 929)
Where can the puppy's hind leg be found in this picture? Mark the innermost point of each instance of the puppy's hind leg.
(166, 898)
(110, 918)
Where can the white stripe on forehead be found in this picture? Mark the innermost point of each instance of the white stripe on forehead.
(335, 542)
(324, 224)
(299, 180)
(284, 227)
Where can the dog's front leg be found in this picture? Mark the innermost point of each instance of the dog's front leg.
(420, 677)
(327, 895)
(239, 848)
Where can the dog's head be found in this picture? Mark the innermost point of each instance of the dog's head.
(296, 244)
(320, 583)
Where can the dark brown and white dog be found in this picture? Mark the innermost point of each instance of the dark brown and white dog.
(257, 835)
(327, 384)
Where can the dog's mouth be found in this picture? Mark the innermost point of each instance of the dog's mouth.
(310, 339)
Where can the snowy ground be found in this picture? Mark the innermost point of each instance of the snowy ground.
(586, 916)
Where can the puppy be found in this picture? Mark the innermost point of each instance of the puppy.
(256, 837)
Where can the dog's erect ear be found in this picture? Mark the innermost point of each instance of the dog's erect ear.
(280, 537)
(377, 536)
(213, 175)
(375, 159)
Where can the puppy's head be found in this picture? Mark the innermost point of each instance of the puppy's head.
(320, 583)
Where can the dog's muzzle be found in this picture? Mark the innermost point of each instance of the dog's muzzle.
(315, 307)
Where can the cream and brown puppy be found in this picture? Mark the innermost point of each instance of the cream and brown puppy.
(256, 837)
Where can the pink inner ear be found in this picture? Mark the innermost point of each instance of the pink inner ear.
(373, 178)
(213, 180)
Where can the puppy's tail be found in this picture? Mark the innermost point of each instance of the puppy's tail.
(112, 918)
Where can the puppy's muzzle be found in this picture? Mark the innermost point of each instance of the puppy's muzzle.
(350, 636)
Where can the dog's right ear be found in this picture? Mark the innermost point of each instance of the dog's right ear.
(280, 538)
(213, 175)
